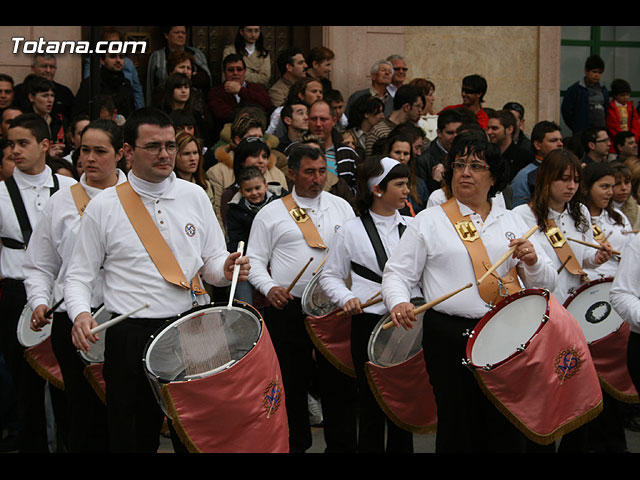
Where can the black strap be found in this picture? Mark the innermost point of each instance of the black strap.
(21, 211)
(364, 272)
(376, 241)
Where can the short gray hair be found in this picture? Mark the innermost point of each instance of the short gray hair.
(374, 68)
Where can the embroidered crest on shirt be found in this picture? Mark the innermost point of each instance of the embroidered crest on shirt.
(510, 235)
(567, 363)
(190, 229)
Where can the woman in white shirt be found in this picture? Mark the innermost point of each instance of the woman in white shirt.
(383, 188)
(555, 204)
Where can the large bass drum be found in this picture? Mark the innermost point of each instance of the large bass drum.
(216, 376)
(607, 335)
(398, 376)
(531, 359)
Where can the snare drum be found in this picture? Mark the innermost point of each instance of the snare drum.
(531, 359)
(314, 301)
(216, 375)
(26, 336)
(94, 358)
(398, 376)
(607, 335)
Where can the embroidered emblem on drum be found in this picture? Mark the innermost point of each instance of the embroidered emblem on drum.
(190, 229)
(510, 235)
(567, 364)
(598, 312)
(272, 395)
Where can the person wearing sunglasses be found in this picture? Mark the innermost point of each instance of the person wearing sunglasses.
(399, 73)
(474, 88)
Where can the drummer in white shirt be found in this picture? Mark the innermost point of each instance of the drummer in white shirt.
(182, 213)
(556, 199)
(433, 255)
(50, 250)
(383, 188)
(278, 251)
(28, 139)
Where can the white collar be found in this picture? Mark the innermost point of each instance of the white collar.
(42, 179)
(151, 189)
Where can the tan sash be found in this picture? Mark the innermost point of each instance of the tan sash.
(464, 226)
(153, 241)
(80, 197)
(304, 222)
(562, 249)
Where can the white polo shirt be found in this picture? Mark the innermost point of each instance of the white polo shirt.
(616, 238)
(625, 290)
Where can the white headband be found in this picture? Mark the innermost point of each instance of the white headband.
(387, 164)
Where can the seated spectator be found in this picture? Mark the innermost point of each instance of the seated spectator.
(309, 90)
(292, 67)
(400, 70)
(407, 107)
(7, 92)
(295, 117)
(501, 126)
(45, 65)
(249, 43)
(189, 162)
(519, 137)
(235, 91)
(474, 88)
(320, 65)
(428, 119)
(336, 101)
(157, 73)
(381, 73)
(111, 81)
(105, 108)
(622, 198)
(595, 143)
(625, 145)
(364, 114)
(621, 114)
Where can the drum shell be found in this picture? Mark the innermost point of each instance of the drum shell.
(44, 362)
(27, 337)
(238, 409)
(539, 392)
(331, 335)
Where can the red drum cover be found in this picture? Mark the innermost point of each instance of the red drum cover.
(404, 393)
(331, 334)
(610, 358)
(93, 374)
(244, 406)
(550, 388)
(44, 362)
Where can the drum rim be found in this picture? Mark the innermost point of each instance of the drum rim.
(374, 334)
(499, 306)
(311, 283)
(89, 359)
(236, 305)
(584, 287)
(24, 332)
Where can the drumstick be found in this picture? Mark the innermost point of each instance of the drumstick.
(320, 265)
(377, 294)
(295, 280)
(628, 232)
(113, 321)
(236, 272)
(504, 257)
(430, 304)
(564, 264)
(368, 303)
(593, 245)
(54, 308)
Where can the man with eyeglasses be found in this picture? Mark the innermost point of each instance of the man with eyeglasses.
(111, 81)
(596, 144)
(107, 240)
(235, 91)
(474, 88)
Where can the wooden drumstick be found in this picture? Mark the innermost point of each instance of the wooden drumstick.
(430, 304)
(368, 303)
(236, 273)
(593, 245)
(118, 319)
(504, 257)
(320, 265)
(295, 280)
(630, 232)
(376, 295)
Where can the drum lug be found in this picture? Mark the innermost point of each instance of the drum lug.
(468, 333)
(467, 363)
(521, 348)
(545, 318)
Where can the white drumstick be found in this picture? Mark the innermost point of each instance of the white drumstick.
(236, 272)
(113, 321)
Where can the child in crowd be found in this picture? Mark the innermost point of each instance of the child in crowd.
(621, 114)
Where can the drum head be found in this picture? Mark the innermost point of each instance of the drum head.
(511, 325)
(314, 301)
(96, 353)
(26, 336)
(395, 345)
(591, 308)
(202, 342)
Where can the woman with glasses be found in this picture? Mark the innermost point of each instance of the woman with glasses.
(436, 252)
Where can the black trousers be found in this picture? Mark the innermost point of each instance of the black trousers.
(298, 359)
(372, 420)
(467, 420)
(87, 415)
(29, 386)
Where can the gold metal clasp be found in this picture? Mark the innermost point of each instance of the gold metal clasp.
(467, 230)
(555, 237)
(598, 234)
(299, 214)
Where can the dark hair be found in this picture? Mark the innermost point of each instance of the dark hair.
(515, 106)
(406, 94)
(57, 163)
(620, 170)
(319, 55)
(477, 83)
(75, 120)
(103, 100)
(32, 122)
(619, 86)
(110, 128)
(371, 167)
(364, 104)
(3, 144)
(240, 43)
(233, 58)
(287, 108)
(594, 62)
(540, 129)
(175, 80)
(299, 151)
(451, 115)
(183, 139)
(506, 119)
(248, 147)
(413, 182)
(285, 57)
(590, 135)
(333, 95)
(552, 168)
(249, 173)
(299, 88)
(591, 173)
(6, 78)
(621, 138)
(37, 84)
(471, 142)
(144, 116)
(175, 58)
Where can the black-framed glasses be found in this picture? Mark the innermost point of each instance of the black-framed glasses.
(156, 148)
(474, 166)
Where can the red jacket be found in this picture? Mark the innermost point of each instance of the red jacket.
(613, 121)
(222, 103)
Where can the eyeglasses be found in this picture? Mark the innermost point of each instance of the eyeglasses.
(234, 69)
(156, 148)
(401, 69)
(474, 166)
